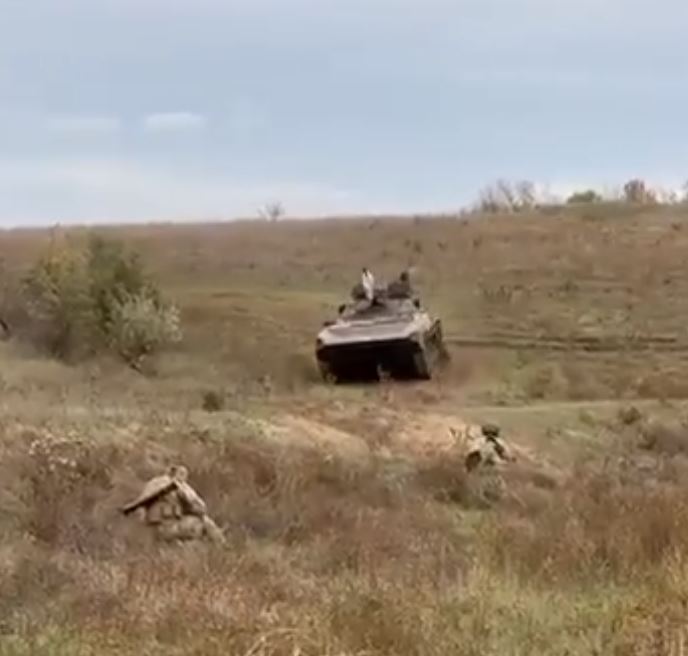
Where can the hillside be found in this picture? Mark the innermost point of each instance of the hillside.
(352, 528)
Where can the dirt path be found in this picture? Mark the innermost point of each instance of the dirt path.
(548, 435)
(599, 404)
(356, 426)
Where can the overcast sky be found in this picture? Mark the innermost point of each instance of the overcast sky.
(189, 109)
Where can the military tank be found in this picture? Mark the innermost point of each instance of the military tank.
(393, 335)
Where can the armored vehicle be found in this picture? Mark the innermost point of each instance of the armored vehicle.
(393, 335)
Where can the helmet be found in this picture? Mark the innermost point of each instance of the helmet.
(491, 431)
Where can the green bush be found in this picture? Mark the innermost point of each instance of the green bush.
(115, 276)
(587, 196)
(9, 308)
(139, 325)
(56, 299)
(79, 301)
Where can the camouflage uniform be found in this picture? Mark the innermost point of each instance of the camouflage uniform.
(173, 509)
(487, 449)
(484, 451)
(489, 485)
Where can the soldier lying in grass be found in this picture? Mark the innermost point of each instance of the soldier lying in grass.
(173, 509)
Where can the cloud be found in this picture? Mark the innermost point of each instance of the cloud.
(174, 122)
(83, 124)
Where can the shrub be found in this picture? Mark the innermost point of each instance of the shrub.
(60, 473)
(213, 401)
(139, 326)
(56, 299)
(8, 301)
(503, 196)
(587, 196)
(83, 300)
(636, 191)
(114, 277)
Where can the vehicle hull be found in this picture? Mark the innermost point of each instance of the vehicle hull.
(399, 358)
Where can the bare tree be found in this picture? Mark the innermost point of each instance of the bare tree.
(525, 194)
(666, 196)
(272, 211)
(684, 193)
(503, 196)
(636, 191)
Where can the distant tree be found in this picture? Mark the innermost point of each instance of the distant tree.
(666, 196)
(684, 193)
(273, 211)
(503, 196)
(79, 301)
(525, 194)
(636, 191)
(495, 198)
(587, 196)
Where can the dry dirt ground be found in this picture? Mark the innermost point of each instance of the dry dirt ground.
(352, 529)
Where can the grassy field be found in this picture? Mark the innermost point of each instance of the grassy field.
(351, 527)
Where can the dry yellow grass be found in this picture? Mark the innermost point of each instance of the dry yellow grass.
(351, 528)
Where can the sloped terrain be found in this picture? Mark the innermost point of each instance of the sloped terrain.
(352, 527)
(349, 532)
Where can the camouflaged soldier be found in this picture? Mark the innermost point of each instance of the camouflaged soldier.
(484, 450)
(483, 446)
(401, 287)
(488, 450)
(173, 509)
